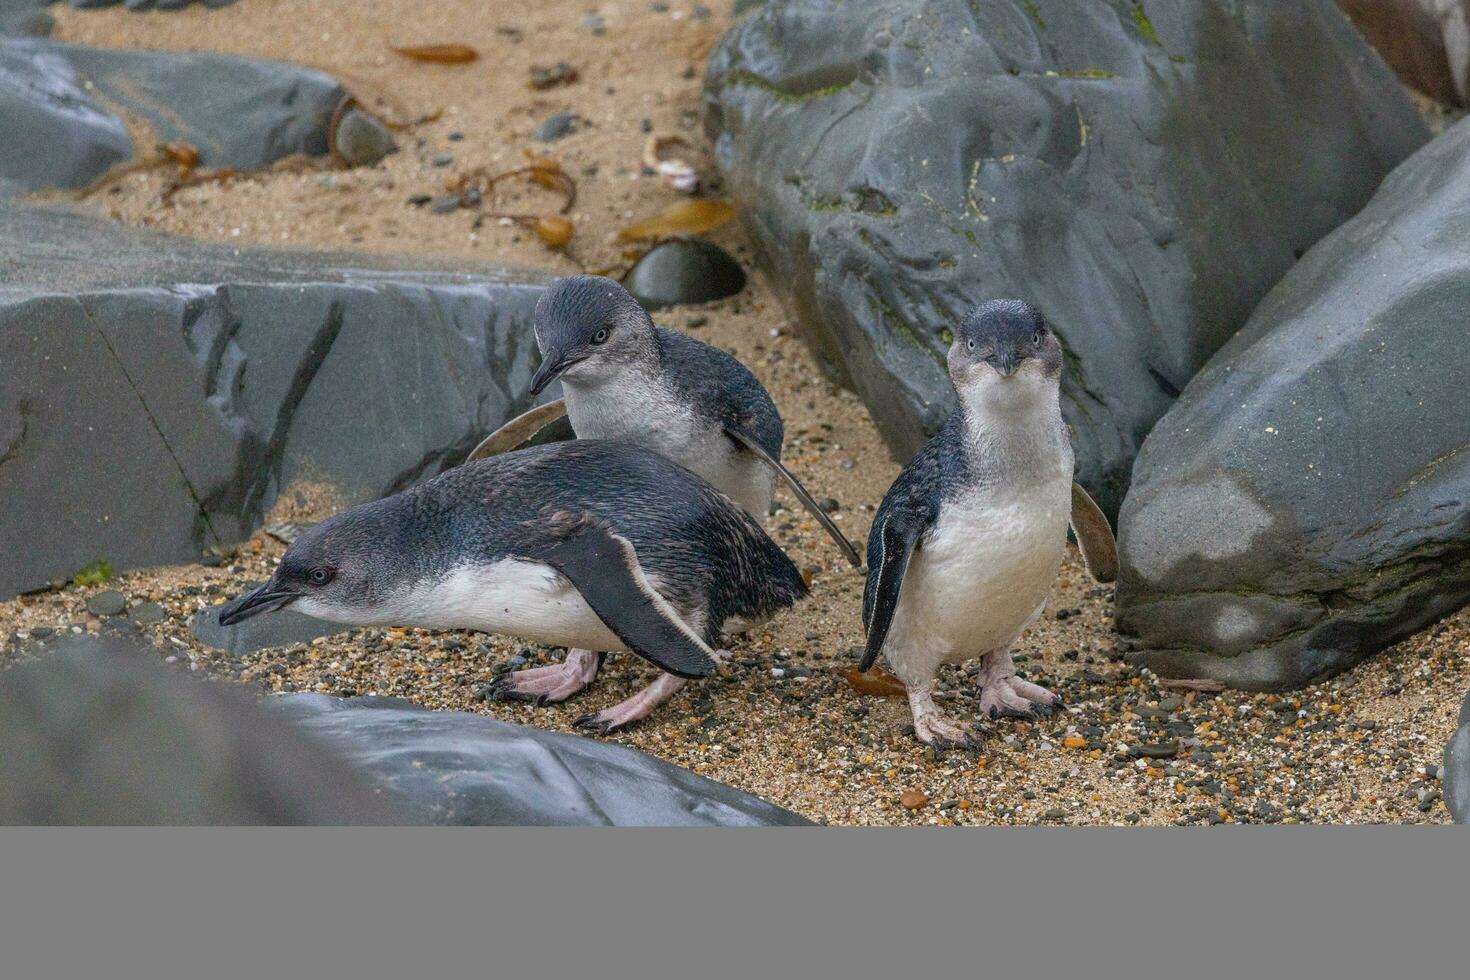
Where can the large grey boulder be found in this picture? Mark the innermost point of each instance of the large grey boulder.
(450, 767)
(95, 733)
(1307, 501)
(1144, 172)
(157, 394)
(1456, 772)
(63, 103)
(56, 133)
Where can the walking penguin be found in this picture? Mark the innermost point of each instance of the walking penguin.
(595, 545)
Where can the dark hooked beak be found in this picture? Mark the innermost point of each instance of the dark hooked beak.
(1005, 363)
(552, 365)
(266, 598)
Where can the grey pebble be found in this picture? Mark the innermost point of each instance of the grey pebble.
(362, 140)
(442, 159)
(558, 125)
(109, 603)
(444, 205)
(148, 613)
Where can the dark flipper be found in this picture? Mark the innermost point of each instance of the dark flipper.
(746, 440)
(1094, 536)
(604, 568)
(522, 429)
(897, 537)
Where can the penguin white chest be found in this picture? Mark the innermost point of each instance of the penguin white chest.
(979, 576)
(651, 416)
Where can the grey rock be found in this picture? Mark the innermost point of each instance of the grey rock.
(277, 629)
(59, 136)
(25, 18)
(239, 112)
(1307, 501)
(108, 603)
(450, 767)
(148, 613)
(1143, 173)
(558, 125)
(684, 270)
(141, 5)
(362, 139)
(166, 391)
(94, 733)
(446, 204)
(1455, 772)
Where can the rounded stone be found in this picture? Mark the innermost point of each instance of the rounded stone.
(109, 603)
(362, 140)
(684, 270)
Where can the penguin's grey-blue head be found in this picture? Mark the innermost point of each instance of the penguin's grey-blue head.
(589, 329)
(1004, 354)
(344, 570)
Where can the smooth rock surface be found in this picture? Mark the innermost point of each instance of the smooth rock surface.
(1143, 173)
(450, 767)
(1456, 772)
(684, 270)
(97, 732)
(61, 104)
(362, 140)
(1307, 501)
(57, 134)
(157, 394)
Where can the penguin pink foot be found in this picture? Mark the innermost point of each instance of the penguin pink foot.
(636, 708)
(1002, 693)
(549, 685)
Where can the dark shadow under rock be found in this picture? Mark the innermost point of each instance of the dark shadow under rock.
(97, 733)
(157, 394)
(1306, 503)
(456, 768)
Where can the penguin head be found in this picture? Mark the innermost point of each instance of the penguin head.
(342, 570)
(1004, 354)
(589, 329)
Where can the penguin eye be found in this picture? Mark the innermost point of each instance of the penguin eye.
(971, 344)
(319, 575)
(600, 337)
(1038, 338)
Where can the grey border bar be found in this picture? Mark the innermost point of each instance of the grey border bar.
(1239, 902)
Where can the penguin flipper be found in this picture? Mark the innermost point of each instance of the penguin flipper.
(897, 537)
(604, 568)
(1094, 536)
(522, 429)
(748, 441)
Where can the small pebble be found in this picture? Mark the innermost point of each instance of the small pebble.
(109, 603)
(912, 799)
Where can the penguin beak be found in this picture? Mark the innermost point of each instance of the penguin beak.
(1005, 363)
(266, 598)
(552, 366)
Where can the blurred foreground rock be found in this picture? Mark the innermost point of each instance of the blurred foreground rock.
(1307, 501)
(1456, 771)
(63, 106)
(157, 395)
(1144, 172)
(450, 767)
(1427, 42)
(98, 733)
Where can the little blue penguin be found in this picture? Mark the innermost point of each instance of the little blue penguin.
(624, 378)
(595, 545)
(968, 540)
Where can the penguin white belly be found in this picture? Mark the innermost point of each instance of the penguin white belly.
(980, 576)
(520, 598)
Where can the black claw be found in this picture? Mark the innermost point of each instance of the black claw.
(994, 712)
